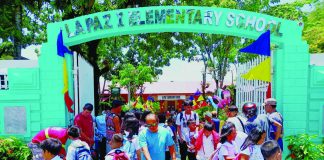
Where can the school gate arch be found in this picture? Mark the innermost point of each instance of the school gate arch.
(291, 57)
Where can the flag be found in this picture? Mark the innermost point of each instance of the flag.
(149, 98)
(260, 72)
(260, 46)
(203, 104)
(201, 98)
(61, 50)
(194, 102)
(136, 101)
(197, 93)
(268, 95)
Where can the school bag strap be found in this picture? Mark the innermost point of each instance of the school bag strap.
(241, 123)
(181, 116)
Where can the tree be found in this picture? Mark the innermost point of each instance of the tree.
(313, 31)
(22, 24)
(133, 78)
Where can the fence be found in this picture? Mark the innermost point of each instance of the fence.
(250, 90)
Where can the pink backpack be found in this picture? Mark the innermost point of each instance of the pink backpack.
(119, 155)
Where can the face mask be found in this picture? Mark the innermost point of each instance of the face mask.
(126, 133)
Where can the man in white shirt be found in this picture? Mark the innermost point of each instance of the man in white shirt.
(238, 121)
(182, 127)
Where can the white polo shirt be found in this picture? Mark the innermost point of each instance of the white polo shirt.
(182, 122)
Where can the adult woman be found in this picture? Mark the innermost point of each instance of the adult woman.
(251, 148)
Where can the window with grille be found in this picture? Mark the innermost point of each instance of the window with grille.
(3, 82)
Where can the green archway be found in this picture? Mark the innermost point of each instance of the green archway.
(291, 58)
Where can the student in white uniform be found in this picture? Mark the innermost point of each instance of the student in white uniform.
(228, 149)
(251, 148)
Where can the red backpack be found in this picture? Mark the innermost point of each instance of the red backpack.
(119, 155)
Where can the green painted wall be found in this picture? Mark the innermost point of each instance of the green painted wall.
(24, 91)
(315, 108)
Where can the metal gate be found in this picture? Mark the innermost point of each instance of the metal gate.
(250, 90)
(83, 83)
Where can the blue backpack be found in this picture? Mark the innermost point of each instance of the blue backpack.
(82, 153)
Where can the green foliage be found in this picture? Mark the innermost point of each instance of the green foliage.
(6, 57)
(24, 23)
(302, 147)
(231, 88)
(201, 111)
(313, 31)
(133, 78)
(126, 107)
(156, 107)
(13, 148)
(222, 114)
(6, 50)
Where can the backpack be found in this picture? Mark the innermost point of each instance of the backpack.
(181, 116)
(119, 155)
(82, 153)
(110, 126)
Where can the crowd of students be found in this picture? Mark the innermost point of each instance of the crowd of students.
(141, 135)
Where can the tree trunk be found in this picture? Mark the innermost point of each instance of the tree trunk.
(215, 79)
(16, 40)
(93, 58)
(204, 73)
(203, 86)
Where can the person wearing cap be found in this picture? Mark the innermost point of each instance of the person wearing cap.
(270, 107)
(254, 119)
(209, 119)
(238, 121)
(113, 122)
(84, 121)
